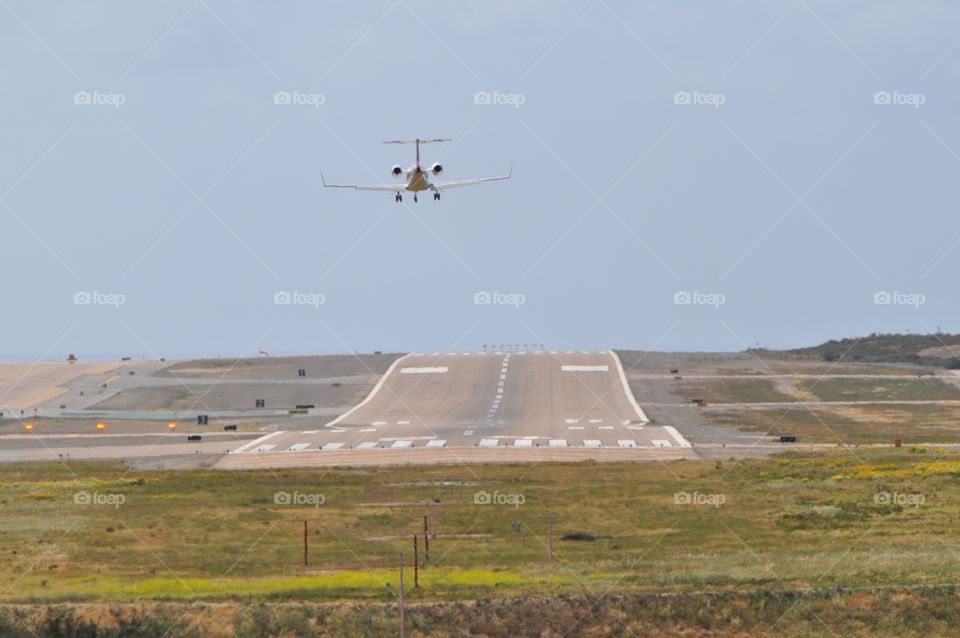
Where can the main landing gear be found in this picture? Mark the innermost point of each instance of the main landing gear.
(398, 198)
(436, 196)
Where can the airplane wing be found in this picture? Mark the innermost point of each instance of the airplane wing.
(393, 188)
(440, 186)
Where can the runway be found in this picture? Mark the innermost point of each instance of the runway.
(558, 400)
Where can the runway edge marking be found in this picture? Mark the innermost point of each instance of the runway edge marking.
(372, 394)
(672, 431)
(626, 387)
(256, 442)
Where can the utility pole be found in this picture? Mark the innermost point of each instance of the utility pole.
(416, 564)
(305, 549)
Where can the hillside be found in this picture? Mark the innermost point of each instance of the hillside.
(941, 350)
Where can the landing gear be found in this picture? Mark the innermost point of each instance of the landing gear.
(398, 197)
(436, 196)
(414, 197)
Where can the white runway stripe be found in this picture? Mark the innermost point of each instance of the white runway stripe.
(256, 442)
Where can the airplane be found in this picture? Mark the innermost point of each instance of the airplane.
(416, 176)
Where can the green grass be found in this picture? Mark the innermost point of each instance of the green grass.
(732, 391)
(908, 389)
(784, 523)
(862, 424)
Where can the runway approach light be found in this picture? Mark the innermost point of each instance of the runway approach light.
(28, 426)
(172, 426)
(101, 426)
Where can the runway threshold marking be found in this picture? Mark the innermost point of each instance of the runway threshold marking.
(661, 443)
(425, 370)
(436, 443)
(366, 445)
(402, 444)
(594, 443)
(489, 442)
(626, 443)
(558, 443)
(296, 447)
(329, 447)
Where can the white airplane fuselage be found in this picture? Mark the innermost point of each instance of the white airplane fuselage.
(416, 180)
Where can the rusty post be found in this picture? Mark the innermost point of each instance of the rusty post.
(426, 541)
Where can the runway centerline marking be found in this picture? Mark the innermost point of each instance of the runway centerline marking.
(425, 370)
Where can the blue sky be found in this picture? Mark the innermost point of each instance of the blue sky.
(687, 176)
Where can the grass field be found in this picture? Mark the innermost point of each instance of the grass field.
(907, 389)
(732, 391)
(784, 523)
(861, 424)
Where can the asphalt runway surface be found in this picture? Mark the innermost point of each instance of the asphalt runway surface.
(531, 402)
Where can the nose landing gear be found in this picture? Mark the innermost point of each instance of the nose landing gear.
(398, 197)
(436, 196)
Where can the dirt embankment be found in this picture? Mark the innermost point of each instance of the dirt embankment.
(900, 612)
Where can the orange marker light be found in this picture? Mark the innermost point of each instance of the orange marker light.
(28, 426)
(101, 426)
(172, 426)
